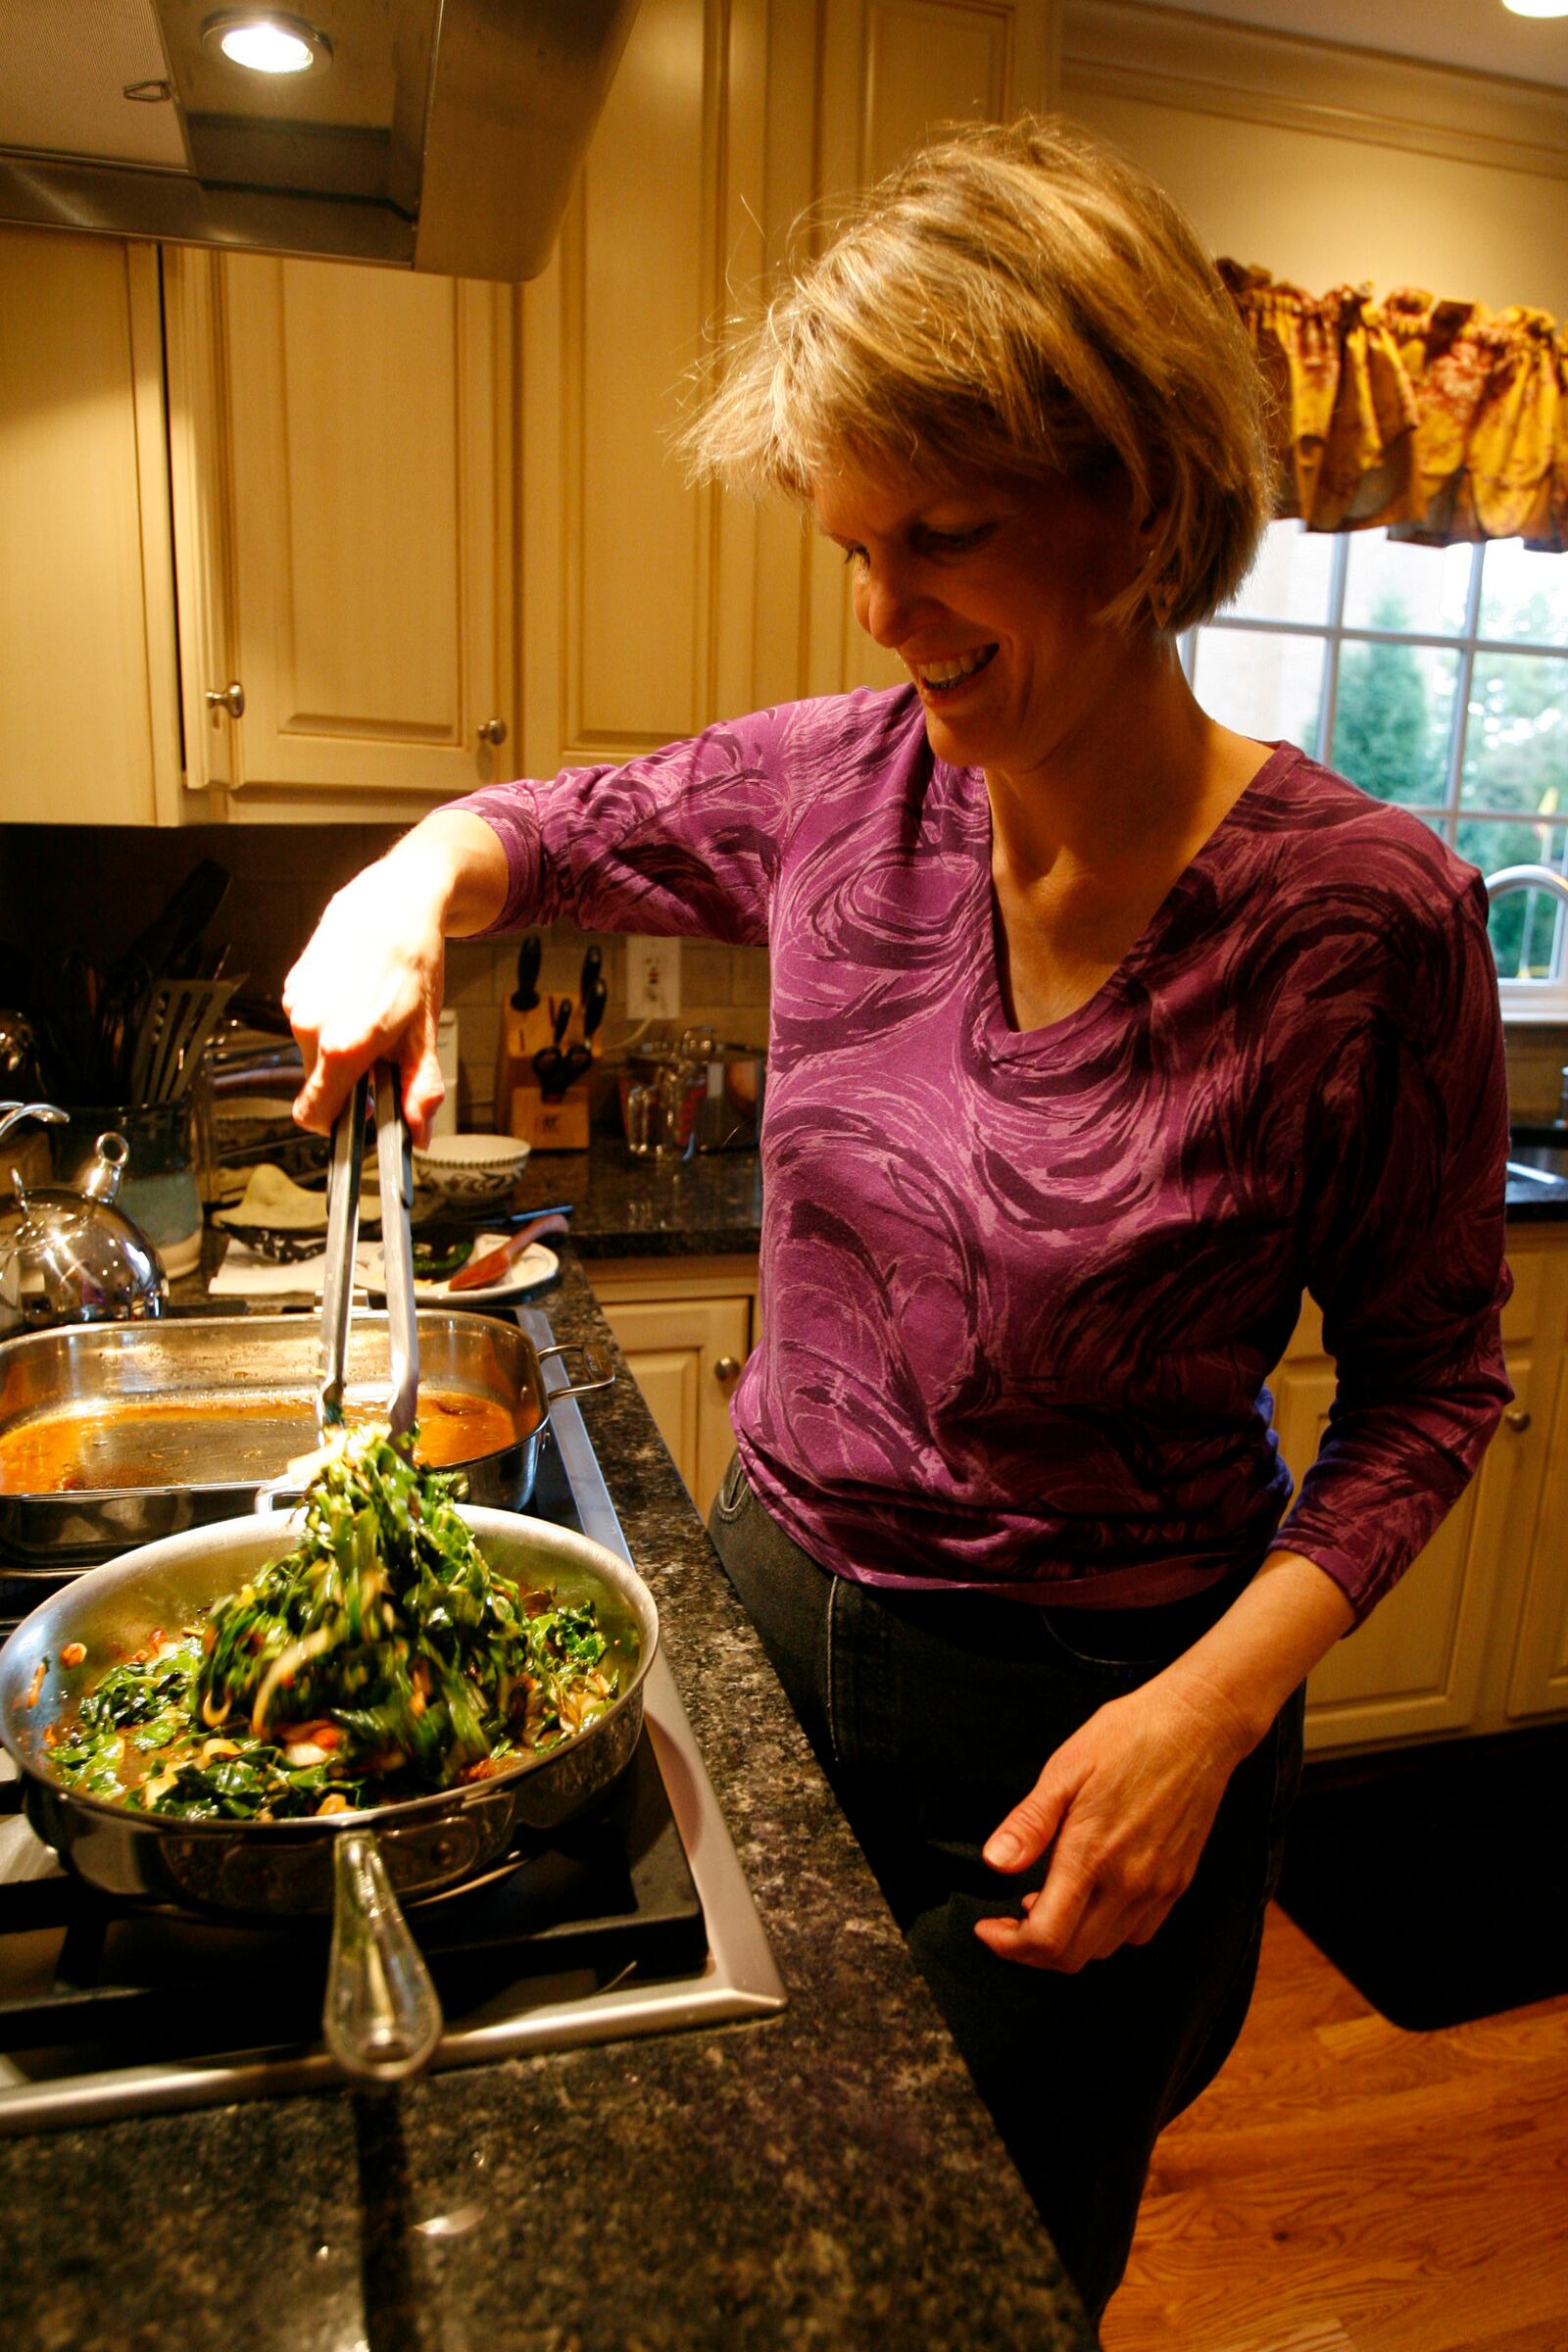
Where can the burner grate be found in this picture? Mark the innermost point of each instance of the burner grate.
(612, 1896)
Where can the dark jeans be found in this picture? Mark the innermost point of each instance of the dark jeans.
(932, 1714)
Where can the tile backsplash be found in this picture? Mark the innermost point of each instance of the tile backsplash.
(95, 887)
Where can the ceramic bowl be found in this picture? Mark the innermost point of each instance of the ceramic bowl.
(470, 1168)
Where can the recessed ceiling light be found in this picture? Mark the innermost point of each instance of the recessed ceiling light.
(1537, 8)
(264, 42)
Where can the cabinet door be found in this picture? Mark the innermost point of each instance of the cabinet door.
(634, 591)
(894, 74)
(1418, 1667)
(655, 607)
(684, 1356)
(1537, 1682)
(88, 698)
(360, 459)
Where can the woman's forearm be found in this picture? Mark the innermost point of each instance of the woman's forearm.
(1126, 1804)
(457, 857)
(1244, 1669)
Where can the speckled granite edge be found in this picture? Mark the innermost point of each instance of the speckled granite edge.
(710, 1204)
(827, 2179)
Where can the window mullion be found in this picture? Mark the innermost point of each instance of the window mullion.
(1464, 679)
(1327, 701)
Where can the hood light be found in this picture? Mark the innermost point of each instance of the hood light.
(268, 44)
(1537, 8)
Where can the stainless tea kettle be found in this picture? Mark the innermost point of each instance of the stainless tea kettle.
(69, 1256)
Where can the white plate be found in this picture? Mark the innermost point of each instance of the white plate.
(527, 1272)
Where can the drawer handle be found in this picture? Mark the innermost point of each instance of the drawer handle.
(727, 1372)
(1517, 1417)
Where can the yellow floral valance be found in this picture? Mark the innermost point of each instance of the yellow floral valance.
(1440, 419)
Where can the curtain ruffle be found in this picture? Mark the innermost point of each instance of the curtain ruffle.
(1440, 419)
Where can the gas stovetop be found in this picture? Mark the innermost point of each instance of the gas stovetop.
(634, 1921)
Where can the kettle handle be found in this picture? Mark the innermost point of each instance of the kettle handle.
(12, 1115)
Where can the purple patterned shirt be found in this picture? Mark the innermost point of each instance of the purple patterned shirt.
(1022, 1291)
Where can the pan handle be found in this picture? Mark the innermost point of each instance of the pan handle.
(601, 1371)
(381, 2017)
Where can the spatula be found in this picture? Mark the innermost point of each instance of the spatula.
(177, 1026)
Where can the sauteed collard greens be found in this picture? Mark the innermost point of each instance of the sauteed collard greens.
(381, 1658)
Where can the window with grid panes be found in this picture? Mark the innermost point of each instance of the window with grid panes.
(1437, 677)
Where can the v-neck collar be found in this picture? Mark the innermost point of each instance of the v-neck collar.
(1000, 1037)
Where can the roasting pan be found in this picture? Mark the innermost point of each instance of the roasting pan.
(182, 1423)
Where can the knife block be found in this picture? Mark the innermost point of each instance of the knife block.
(521, 1108)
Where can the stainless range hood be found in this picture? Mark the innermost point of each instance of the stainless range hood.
(431, 134)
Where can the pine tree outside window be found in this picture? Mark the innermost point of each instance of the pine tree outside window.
(1436, 677)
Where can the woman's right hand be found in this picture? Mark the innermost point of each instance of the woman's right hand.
(367, 988)
(368, 985)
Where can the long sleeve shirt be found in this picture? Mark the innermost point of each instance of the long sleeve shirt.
(1021, 1289)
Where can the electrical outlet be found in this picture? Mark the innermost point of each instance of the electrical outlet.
(652, 979)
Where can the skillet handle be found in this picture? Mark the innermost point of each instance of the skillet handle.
(380, 2017)
(601, 1371)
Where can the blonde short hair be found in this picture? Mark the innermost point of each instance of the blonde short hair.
(1021, 299)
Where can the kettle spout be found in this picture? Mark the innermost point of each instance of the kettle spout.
(102, 1180)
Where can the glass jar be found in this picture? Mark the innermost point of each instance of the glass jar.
(159, 1190)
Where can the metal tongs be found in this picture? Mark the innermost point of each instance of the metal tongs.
(395, 1162)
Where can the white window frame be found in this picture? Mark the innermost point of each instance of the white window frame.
(1525, 1001)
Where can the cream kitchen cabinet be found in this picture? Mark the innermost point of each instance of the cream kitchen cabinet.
(89, 714)
(1537, 1670)
(653, 608)
(685, 1327)
(1475, 1636)
(341, 446)
(361, 465)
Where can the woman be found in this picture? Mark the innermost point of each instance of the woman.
(1097, 1033)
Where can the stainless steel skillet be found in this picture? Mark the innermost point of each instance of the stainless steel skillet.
(380, 2015)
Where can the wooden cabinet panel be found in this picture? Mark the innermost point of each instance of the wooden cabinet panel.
(895, 71)
(928, 62)
(1539, 1669)
(1433, 1659)
(685, 1327)
(631, 597)
(680, 1351)
(654, 608)
(1414, 1667)
(350, 379)
(89, 696)
(353, 430)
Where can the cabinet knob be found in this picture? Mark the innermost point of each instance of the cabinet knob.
(727, 1372)
(494, 730)
(1517, 1417)
(229, 698)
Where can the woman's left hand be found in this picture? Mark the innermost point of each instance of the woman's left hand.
(1125, 1806)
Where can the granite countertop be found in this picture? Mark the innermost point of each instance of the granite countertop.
(712, 1204)
(827, 2178)
(1537, 1152)
(708, 1205)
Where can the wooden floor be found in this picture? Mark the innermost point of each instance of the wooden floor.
(1346, 2186)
